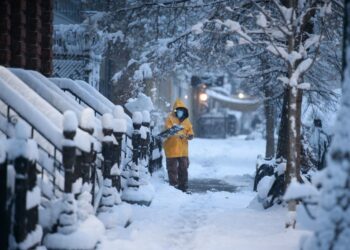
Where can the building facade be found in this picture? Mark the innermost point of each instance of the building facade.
(26, 34)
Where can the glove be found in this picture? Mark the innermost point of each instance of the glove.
(188, 137)
(182, 136)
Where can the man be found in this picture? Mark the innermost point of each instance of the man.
(176, 147)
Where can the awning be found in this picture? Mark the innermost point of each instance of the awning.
(234, 103)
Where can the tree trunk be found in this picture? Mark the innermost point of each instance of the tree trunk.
(270, 124)
(298, 135)
(283, 138)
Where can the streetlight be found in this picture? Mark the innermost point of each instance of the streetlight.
(241, 95)
(203, 97)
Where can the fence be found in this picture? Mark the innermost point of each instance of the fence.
(60, 158)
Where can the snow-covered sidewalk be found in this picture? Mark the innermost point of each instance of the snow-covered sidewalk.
(208, 220)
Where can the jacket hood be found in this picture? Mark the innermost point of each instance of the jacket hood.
(179, 104)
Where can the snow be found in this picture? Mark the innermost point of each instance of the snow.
(143, 194)
(197, 28)
(146, 117)
(208, 220)
(47, 90)
(86, 96)
(2, 151)
(120, 125)
(38, 112)
(33, 238)
(141, 103)
(229, 44)
(23, 130)
(33, 198)
(115, 170)
(118, 112)
(118, 216)
(86, 236)
(137, 117)
(297, 190)
(87, 119)
(117, 76)
(261, 20)
(19, 147)
(94, 93)
(107, 121)
(143, 132)
(144, 72)
(265, 185)
(232, 25)
(70, 121)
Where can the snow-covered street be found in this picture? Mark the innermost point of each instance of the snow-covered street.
(208, 219)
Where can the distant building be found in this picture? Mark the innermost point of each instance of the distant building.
(217, 112)
(80, 51)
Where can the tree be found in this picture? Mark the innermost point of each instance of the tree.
(333, 231)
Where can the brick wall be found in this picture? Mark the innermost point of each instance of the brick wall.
(26, 29)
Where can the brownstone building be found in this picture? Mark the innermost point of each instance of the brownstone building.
(26, 34)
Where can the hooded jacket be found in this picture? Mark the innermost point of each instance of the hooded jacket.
(175, 146)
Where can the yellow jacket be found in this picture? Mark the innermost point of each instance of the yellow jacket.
(175, 146)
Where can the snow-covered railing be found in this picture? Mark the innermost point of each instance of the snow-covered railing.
(82, 95)
(20, 198)
(92, 164)
(50, 167)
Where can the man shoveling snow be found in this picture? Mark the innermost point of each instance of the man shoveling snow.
(176, 146)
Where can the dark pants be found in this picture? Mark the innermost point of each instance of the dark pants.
(177, 172)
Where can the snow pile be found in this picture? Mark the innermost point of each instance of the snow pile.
(142, 195)
(70, 121)
(143, 132)
(112, 212)
(141, 103)
(146, 117)
(107, 121)
(72, 232)
(21, 145)
(33, 198)
(118, 113)
(86, 236)
(87, 119)
(108, 199)
(137, 117)
(118, 216)
(120, 126)
(85, 208)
